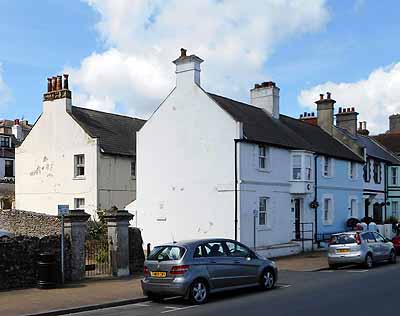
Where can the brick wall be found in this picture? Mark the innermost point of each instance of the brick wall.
(29, 223)
(19, 256)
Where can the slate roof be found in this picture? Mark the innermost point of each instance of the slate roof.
(373, 148)
(116, 133)
(286, 132)
(390, 140)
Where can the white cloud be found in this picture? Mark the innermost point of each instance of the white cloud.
(5, 93)
(141, 38)
(375, 98)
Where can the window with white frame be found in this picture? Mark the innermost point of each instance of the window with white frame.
(367, 170)
(327, 210)
(79, 203)
(352, 170)
(395, 209)
(308, 166)
(79, 165)
(263, 211)
(262, 157)
(377, 172)
(296, 167)
(327, 169)
(353, 210)
(394, 179)
(4, 141)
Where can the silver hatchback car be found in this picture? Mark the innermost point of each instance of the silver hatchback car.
(194, 269)
(364, 248)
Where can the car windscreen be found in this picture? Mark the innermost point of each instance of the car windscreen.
(343, 239)
(166, 253)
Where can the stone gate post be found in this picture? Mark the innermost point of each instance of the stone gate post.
(118, 236)
(75, 226)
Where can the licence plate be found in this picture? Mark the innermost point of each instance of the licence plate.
(158, 274)
(343, 250)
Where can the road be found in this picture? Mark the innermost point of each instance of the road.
(348, 291)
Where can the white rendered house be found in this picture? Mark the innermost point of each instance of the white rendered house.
(209, 166)
(75, 156)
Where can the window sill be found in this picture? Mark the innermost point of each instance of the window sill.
(297, 180)
(263, 170)
(327, 177)
(133, 178)
(79, 178)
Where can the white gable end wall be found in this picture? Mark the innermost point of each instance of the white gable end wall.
(45, 163)
(186, 165)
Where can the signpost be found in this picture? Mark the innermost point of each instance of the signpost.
(62, 211)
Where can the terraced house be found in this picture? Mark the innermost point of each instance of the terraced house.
(391, 141)
(242, 171)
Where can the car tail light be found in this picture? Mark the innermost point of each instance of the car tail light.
(331, 241)
(146, 271)
(358, 239)
(179, 270)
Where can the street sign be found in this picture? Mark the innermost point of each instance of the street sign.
(63, 210)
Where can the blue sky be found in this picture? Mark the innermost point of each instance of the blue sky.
(42, 38)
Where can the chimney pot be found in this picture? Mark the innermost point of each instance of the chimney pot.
(183, 52)
(256, 86)
(340, 110)
(321, 96)
(66, 81)
(328, 95)
(312, 114)
(353, 109)
(16, 122)
(53, 83)
(49, 85)
(301, 115)
(59, 84)
(360, 126)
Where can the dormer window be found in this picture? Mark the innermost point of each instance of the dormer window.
(4, 141)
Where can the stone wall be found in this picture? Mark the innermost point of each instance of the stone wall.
(29, 223)
(136, 254)
(19, 256)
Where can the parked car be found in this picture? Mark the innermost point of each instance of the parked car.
(364, 248)
(396, 244)
(194, 269)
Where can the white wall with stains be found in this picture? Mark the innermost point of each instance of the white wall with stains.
(45, 163)
(185, 163)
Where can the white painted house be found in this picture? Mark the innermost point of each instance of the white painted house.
(209, 166)
(75, 156)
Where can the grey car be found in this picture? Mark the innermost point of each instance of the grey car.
(194, 269)
(364, 248)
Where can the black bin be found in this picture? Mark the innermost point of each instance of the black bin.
(47, 272)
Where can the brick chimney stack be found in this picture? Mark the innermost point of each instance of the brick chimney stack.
(346, 118)
(362, 129)
(325, 112)
(266, 96)
(394, 123)
(56, 90)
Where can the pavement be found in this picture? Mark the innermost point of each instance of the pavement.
(101, 293)
(305, 262)
(349, 291)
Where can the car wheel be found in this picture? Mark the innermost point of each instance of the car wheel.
(154, 297)
(369, 261)
(267, 281)
(198, 292)
(392, 258)
(333, 266)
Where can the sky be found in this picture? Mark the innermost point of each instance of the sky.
(119, 52)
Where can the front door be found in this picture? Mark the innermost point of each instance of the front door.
(378, 213)
(297, 218)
